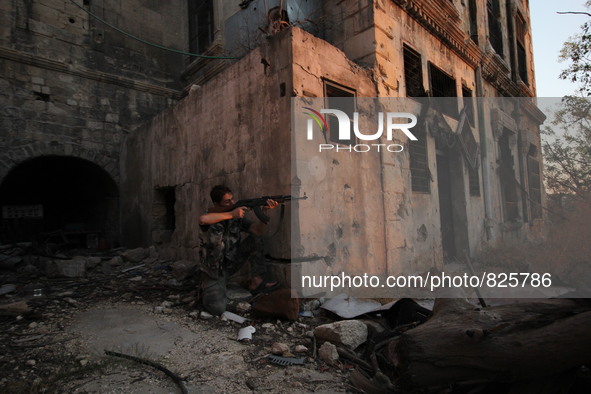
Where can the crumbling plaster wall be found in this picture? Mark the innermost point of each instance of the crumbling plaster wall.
(233, 130)
(342, 221)
(415, 219)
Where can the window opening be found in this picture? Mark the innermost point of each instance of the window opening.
(343, 99)
(443, 85)
(413, 73)
(493, 9)
(419, 161)
(201, 26)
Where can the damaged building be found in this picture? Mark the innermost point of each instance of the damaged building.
(110, 140)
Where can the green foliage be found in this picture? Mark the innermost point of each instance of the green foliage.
(567, 147)
(577, 50)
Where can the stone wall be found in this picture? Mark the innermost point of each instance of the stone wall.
(72, 86)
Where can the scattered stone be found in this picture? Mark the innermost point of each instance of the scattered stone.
(194, 315)
(166, 304)
(135, 255)
(183, 269)
(158, 309)
(74, 268)
(8, 288)
(301, 349)
(135, 279)
(268, 326)
(279, 348)
(65, 293)
(328, 353)
(312, 305)
(116, 261)
(243, 307)
(33, 325)
(92, 261)
(15, 308)
(83, 362)
(350, 333)
(8, 262)
(205, 315)
(106, 267)
(31, 362)
(30, 269)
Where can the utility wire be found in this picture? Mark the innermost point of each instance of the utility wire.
(147, 42)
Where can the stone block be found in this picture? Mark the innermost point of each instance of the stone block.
(135, 255)
(74, 268)
(328, 353)
(183, 269)
(350, 333)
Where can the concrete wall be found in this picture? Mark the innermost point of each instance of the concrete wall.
(233, 130)
(346, 205)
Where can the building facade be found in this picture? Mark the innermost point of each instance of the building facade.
(165, 127)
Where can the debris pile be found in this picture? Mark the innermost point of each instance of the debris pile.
(64, 315)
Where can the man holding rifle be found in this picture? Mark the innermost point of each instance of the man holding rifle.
(222, 251)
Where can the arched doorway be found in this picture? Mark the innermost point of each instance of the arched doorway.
(66, 199)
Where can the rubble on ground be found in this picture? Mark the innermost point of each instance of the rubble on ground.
(64, 314)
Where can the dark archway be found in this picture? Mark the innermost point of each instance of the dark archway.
(69, 198)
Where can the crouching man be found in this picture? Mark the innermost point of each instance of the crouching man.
(223, 252)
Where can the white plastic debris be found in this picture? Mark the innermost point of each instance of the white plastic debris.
(245, 333)
(233, 317)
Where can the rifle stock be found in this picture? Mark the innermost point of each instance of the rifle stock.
(256, 203)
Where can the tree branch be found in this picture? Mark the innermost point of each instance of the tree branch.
(574, 12)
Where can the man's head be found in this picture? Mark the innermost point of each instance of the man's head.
(221, 195)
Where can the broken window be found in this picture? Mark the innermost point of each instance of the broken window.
(443, 85)
(520, 31)
(474, 181)
(468, 104)
(534, 183)
(473, 15)
(163, 209)
(419, 162)
(343, 99)
(507, 176)
(413, 73)
(495, 34)
(201, 25)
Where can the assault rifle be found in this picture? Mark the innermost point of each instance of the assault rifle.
(256, 203)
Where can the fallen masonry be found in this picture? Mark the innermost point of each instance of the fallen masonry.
(60, 313)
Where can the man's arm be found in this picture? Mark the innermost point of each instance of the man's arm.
(216, 217)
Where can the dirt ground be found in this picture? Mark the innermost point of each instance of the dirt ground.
(58, 343)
